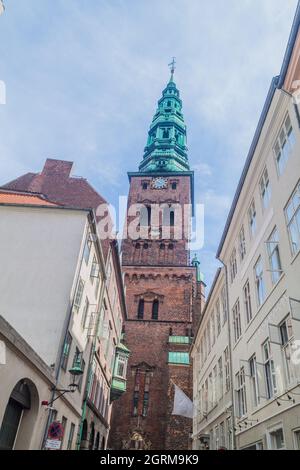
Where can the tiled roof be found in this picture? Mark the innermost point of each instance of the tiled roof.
(23, 198)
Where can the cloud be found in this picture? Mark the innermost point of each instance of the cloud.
(83, 80)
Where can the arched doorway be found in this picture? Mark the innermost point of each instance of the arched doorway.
(92, 437)
(19, 417)
(97, 442)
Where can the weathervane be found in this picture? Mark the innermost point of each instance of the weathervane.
(172, 66)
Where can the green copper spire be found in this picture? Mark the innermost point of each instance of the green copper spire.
(166, 148)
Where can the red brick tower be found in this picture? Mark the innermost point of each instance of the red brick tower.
(162, 288)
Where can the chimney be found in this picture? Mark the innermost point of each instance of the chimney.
(57, 167)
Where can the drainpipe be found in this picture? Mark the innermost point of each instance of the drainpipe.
(57, 375)
(230, 355)
(90, 366)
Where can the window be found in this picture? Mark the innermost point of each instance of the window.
(265, 189)
(87, 248)
(241, 393)
(179, 339)
(78, 296)
(247, 302)
(269, 369)
(254, 381)
(179, 358)
(146, 394)
(227, 369)
(145, 185)
(229, 433)
(208, 336)
(85, 313)
(233, 266)
(71, 436)
(220, 378)
(252, 218)
(213, 328)
(94, 270)
(284, 145)
(297, 439)
(224, 304)
(174, 185)
(141, 309)
(287, 341)
(292, 214)
(237, 321)
(259, 282)
(222, 435)
(276, 438)
(136, 393)
(215, 382)
(217, 437)
(274, 256)
(66, 351)
(218, 314)
(64, 426)
(155, 307)
(242, 243)
(121, 364)
(211, 398)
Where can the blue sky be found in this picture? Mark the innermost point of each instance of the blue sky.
(83, 79)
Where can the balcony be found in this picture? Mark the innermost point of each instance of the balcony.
(119, 379)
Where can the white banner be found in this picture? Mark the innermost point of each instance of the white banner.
(183, 406)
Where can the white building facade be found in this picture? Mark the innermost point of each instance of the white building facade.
(260, 248)
(52, 295)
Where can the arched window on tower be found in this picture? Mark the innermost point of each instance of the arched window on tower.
(141, 308)
(166, 133)
(155, 307)
(172, 218)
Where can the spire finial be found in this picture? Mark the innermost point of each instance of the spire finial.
(172, 66)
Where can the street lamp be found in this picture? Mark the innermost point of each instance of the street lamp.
(76, 372)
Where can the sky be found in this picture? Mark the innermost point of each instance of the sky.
(83, 79)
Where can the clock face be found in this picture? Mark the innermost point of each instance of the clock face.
(159, 183)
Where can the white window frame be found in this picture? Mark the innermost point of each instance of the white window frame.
(237, 325)
(254, 381)
(252, 217)
(259, 282)
(247, 302)
(273, 430)
(233, 266)
(265, 189)
(284, 145)
(242, 244)
(273, 251)
(292, 220)
(270, 380)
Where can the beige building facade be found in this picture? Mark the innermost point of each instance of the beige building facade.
(260, 249)
(53, 299)
(213, 414)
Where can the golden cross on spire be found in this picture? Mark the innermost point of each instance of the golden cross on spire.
(172, 66)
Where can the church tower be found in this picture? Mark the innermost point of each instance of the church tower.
(163, 287)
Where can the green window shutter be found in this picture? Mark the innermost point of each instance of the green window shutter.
(179, 339)
(179, 358)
